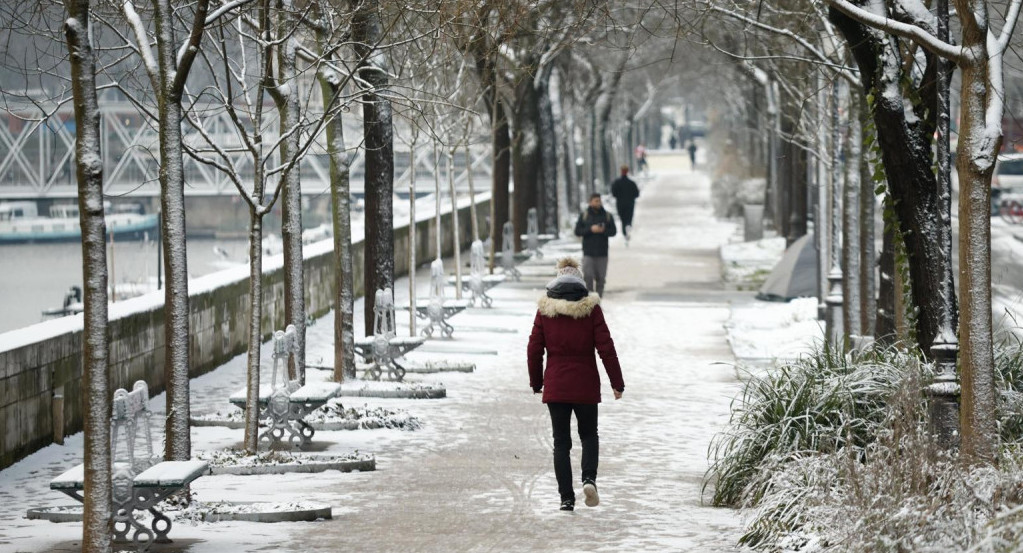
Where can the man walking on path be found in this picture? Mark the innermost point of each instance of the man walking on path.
(692, 155)
(625, 192)
(595, 225)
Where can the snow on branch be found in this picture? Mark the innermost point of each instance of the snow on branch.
(905, 30)
(219, 12)
(142, 38)
(814, 51)
(1011, 19)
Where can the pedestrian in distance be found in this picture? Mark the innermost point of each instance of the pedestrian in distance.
(692, 154)
(569, 326)
(625, 192)
(595, 225)
(640, 154)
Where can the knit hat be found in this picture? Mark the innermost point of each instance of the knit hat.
(568, 266)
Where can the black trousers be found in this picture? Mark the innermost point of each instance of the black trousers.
(561, 422)
(625, 211)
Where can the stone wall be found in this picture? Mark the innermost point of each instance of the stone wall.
(39, 361)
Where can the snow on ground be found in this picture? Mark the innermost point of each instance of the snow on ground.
(477, 476)
(770, 332)
(745, 265)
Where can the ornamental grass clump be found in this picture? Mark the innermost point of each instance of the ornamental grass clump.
(819, 404)
(875, 480)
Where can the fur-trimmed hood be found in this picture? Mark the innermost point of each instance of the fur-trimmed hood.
(550, 307)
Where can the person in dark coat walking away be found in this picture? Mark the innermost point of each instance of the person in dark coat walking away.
(625, 192)
(595, 225)
(692, 154)
(569, 325)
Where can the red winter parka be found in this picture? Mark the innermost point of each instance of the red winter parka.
(570, 331)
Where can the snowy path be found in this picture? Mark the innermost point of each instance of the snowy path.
(478, 476)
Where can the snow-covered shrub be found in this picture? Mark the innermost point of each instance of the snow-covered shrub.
(818, 404)
(886, 486)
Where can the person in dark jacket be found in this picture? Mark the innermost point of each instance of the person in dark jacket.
(595, 225)
(625, 192)
(569, 325)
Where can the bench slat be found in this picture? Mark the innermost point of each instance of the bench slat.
(315, 392)
(170, 474)
(74, 478)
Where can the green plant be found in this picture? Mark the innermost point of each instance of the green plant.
(821, 403)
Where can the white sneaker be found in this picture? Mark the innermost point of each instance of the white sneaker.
(590, 491)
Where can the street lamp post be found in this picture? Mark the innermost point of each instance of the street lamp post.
(943, 393)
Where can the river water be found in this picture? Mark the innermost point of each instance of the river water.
(34, 277)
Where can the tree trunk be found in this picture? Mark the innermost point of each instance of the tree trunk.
(500, 140)
(251, 438)
(851, 259)
(287, 98)
(602, 146)
(906, 150)
(868, 280)
(548, 153)
(527, 162)
(341, 219)
(367, 32)
(98, 509)
(177, 445)
(979, 143)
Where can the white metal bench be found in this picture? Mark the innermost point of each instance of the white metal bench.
(533, 237)
(284, 404)
(478, 282)
(382, 350)
(140, 482)
(436, 309)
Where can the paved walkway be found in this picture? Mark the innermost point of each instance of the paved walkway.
(493, 488)
(479, 475)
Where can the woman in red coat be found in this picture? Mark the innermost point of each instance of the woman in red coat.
(569, 326)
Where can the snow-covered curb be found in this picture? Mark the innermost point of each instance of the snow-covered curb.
(762, 332)
(219, 511)
(233, 461)
(332, 416)
(384, 389)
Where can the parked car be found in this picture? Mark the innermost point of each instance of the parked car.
(1008, 177)
(1007, 186)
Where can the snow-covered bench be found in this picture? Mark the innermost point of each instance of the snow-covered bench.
(284, 404)
(436, 309)
(383, 349)
(533, 237)
(478, 282)
(139, 482)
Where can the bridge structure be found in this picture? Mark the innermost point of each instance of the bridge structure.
(37, 156)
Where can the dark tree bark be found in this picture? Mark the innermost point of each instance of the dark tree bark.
(906, 153)
(548, 200)
(98, 510)
(367, 31)
(527, 162)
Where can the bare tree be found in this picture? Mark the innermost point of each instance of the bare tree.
(168, 70)
(96, 527)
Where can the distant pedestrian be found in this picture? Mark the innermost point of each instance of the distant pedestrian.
(595, 225)
(640, 154)
(569, 325)
(692, 153)
(673, 141)
(625, 192)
